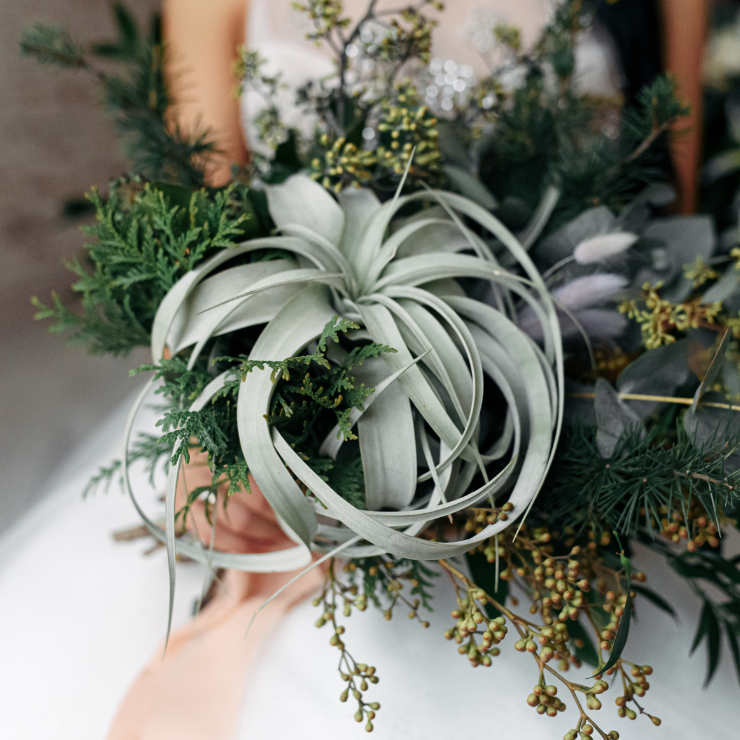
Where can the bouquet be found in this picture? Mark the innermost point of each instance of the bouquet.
(443, 332)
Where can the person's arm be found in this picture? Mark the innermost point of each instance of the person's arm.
(685, 24)
(202, 37)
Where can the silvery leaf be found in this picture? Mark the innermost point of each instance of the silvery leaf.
(726, 286)
(657, 372)
(359, 205)
(300, 200)
(613, 418)
(685, 238)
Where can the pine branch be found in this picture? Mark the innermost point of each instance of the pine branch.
(138, 99)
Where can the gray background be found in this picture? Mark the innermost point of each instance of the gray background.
(54, 144)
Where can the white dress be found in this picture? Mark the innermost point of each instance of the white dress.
(80, 616)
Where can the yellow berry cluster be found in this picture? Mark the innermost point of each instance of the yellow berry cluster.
(544, 699)
(407, 127)
(660, 318)
(699, 272)
(634, 683)
(342, 164)
(696, 527)
(326, 16)
(472, 622)
(357, 676)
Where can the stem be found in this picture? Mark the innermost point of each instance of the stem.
(343, 61)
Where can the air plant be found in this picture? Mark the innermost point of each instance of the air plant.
(395, 278)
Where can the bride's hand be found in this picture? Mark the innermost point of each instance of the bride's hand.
(245, 522)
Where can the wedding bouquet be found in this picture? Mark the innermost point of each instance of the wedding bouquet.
(443, 331)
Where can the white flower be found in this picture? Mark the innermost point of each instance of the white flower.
(599, 248)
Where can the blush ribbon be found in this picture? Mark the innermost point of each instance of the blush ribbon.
(195, 691)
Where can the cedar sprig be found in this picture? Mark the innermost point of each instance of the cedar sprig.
(146, 237)
(148, 448)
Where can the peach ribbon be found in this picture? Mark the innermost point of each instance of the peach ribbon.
(196, 690)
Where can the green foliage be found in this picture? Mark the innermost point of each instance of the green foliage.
(144, 241)
(345, 474)
(304, 411)
(646, 480)
(540, 137)
(213, 429)
(380, 577)
(715, 578)
(138, 99)
(148, 447)
(306, 408)
(51, 45)
(298, 406)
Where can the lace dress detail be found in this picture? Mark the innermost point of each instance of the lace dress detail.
(464, 49)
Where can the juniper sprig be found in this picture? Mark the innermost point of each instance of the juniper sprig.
(145, 238)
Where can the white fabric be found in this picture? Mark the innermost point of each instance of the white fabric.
(463, 35)
(80, 615)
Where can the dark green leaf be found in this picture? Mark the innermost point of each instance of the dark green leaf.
(287, 154)
(624, 625)
(714, 641)
(726, 568)
(107, 50)
(734, 649)
(586, 652)
(650, 595)
(703, 628)
(175, 194)
(483, 574)
(128, 29)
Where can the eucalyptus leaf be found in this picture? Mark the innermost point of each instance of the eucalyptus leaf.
(559, 245)
(613, 418)
(657, 372)
(685, 238)
(725, 287)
